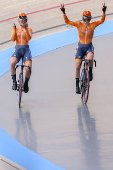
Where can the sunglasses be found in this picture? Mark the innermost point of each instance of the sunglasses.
(86, 18)
(23, 18)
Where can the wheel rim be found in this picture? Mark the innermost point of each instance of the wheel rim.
(85, 88)
(20, 89)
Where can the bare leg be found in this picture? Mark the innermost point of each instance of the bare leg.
(13, 62)
(77, 74)
(27, 76)
(28, 72)
(77, 68)
(90, 56)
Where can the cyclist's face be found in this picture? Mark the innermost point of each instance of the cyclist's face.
(22, 21)
(86, 22)
(86, 19)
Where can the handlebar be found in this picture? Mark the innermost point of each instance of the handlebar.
(21, 65)
(86, 60)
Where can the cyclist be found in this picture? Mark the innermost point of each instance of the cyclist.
(85, 47)
(21, 36)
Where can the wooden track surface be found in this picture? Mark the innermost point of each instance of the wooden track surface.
(49, 21)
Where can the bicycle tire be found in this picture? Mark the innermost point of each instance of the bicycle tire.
(85, 87)
(20, 89)
(81, 80)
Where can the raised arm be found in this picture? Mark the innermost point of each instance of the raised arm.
(67, 21)
(28, 32)
(62, 9)
(14, 35)
(104, 7)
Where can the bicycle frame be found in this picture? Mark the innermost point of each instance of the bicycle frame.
(20, 84)
(84, 80)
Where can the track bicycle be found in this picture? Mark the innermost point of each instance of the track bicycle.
(20, 82)
(84, 80)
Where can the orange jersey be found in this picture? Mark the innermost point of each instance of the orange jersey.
(21, 36)
(85, 32)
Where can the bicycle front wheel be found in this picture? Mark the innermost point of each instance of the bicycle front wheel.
(85, 87)
(20, 87)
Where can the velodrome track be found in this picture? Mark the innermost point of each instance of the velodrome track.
(53, 122)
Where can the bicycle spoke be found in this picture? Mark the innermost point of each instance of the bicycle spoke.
(86, 87)
(20, 87)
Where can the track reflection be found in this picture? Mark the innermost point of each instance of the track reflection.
(25, 133)
(89, 138)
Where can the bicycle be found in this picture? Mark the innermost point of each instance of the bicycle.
(20, 82)
(84, 80)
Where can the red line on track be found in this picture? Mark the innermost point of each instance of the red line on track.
(45, 10)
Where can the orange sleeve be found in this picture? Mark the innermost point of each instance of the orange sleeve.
(28, 34)
(96, 23)
(67, 21)
(13, 35)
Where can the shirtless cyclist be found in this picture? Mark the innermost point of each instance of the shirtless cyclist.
(21, 36)
(85, 46)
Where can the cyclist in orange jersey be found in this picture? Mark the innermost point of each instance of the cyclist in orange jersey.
(21, 36)
(85, 47)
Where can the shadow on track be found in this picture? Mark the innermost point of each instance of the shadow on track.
(89, 138)
(25, 133)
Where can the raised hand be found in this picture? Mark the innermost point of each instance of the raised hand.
(104, 7)
(62, 8)
(14, 26)
(26, 25)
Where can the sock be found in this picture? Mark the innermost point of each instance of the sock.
(14, 78)
(26, 80)
(90, 69)
(77, 81)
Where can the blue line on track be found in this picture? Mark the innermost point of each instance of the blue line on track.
(13, 150)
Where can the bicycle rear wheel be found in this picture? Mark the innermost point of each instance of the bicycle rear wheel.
(20, 87)
(85, 87)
